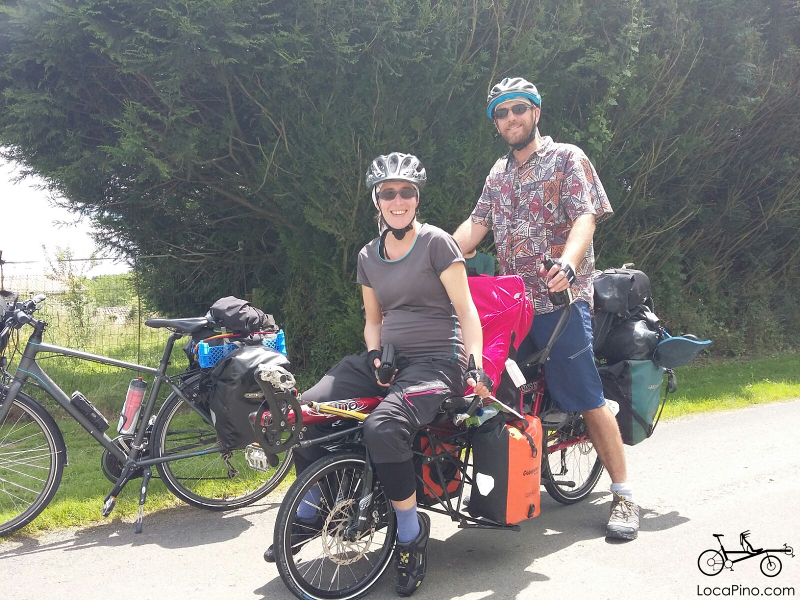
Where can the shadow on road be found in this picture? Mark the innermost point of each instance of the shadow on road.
(481, 563)
(181, 527)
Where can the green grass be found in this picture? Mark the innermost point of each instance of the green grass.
(84, 487)
(719, 386)
(734, 384)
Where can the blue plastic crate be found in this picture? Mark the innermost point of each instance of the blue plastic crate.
(208, 355)
(275, 342)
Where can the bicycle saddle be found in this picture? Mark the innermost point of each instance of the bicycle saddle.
(189, 325)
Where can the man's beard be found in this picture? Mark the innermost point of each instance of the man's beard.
(526, 137)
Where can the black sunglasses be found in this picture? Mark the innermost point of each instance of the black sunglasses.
(406, 192)
(517, 109)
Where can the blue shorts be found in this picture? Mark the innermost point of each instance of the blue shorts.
(572, 378)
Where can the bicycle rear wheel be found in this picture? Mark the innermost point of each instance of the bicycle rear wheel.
(215, 481)
(570, 468)
(710, 562)
(31, 462)
(313, 557)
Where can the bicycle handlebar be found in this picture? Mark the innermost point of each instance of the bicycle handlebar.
(23, 313)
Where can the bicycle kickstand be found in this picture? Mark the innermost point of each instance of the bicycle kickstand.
(142, 497)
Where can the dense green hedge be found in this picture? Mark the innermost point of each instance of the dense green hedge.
(233, 136)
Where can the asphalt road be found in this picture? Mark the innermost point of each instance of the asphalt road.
(716, 473)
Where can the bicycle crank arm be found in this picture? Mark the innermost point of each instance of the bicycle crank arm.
(111, 499)
(569, 484)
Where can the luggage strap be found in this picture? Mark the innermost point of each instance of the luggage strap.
(531, 443)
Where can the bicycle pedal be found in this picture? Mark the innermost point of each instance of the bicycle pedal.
(108, 505)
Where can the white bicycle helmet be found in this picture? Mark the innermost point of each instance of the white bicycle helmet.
(396, 167)
(509, 88)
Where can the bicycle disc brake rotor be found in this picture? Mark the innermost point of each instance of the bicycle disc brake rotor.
(336, 547)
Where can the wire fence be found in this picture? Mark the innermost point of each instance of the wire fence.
(102, 314)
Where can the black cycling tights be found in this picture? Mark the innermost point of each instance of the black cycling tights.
(398, 479)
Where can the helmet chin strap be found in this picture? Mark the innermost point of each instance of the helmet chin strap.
(399, 233)
(529, 139)
(523, 144)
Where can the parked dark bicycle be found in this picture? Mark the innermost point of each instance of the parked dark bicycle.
(180, 440)
(343, 552)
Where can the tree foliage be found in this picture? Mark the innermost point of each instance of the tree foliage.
(229, 138)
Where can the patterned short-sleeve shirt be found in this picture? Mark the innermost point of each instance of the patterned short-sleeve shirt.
(531, 208)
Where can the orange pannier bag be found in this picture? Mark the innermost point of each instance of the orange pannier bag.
(449, 467)
(506, 474)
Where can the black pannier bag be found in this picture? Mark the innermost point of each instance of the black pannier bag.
(620, 291)
(237, 316)
(630, 339)
(636, 386)
(233, 393)
(624, 325)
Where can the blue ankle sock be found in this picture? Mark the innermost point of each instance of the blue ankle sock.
(407, 524)
(308, 506)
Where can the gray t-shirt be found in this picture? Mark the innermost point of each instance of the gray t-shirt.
(418, 317)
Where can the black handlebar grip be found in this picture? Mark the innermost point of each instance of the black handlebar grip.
(556, 298)
(386, 370)
(477, 402)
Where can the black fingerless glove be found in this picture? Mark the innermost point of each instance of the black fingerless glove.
(371, 356)
(567, 269)
(386, 370)
(479, 375)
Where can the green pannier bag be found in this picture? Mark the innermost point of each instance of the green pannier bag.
(636, 386)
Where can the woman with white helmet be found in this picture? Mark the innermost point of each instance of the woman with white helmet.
(416, 298)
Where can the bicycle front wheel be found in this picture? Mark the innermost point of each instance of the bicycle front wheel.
(215, 481)
(31, 462)
(315, 558)
(770, 565)
(570, 468)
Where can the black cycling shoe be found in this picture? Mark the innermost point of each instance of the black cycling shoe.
(412, 559)
(303, 530)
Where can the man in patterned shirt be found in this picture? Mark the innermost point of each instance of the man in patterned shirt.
(543, 200)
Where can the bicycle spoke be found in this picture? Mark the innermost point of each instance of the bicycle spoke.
(22, 473)
(19, 485)
(13, 425)
(17, 441)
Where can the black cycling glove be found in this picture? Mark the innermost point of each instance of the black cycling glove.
(567, 269)
(371, 356)
(479, 375)
(386, 370)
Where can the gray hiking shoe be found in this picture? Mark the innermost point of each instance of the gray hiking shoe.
(624, 521)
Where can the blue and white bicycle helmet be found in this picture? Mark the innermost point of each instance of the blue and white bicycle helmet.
(509, 88)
